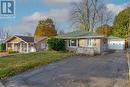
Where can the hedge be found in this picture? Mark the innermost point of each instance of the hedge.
(56, 44)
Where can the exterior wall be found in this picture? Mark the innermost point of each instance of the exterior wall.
(103, 44)
(116, 44)
(31, 48)
(42, 45)
(97, 47)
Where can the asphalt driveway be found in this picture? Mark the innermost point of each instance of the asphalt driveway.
(108, 70)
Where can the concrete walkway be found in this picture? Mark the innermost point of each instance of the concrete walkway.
(79, 71)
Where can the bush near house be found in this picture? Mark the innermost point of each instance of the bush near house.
(2, 47)
(14, 64)
(11, 51)
(56, 44)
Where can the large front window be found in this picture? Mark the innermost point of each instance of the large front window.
(86, 42)
(82, 42)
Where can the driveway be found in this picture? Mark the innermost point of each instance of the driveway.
(108, 70)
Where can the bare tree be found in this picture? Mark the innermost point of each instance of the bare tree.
(3, 34)
(89, 13)
(61, 32)
(104, 16)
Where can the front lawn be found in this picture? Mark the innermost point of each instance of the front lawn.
(15, 64)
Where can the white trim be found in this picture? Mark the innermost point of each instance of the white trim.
(6, 46)
(71, 43)
(13, 46)
(20, 47)
(16, 37)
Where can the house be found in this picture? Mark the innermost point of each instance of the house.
(24, 44)
(85, 42)
(115, 43)
(41, 43)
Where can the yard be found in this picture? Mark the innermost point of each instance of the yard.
(110, 70)
(15, 64)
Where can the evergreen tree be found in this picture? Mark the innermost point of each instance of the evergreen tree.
(122, 23)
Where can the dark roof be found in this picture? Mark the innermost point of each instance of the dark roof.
(26, 38)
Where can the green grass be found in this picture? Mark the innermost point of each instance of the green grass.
(12, 65)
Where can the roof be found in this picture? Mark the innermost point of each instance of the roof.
(81, 34)
(36, 40)
(27, 39)
(115, 38)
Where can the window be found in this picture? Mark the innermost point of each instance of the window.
(69, 43)
(9, 45)
(73, 42)
(82, 42)
(90, 42)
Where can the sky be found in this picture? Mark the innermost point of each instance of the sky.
(29, 12)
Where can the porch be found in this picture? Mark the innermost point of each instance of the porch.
(22, 47)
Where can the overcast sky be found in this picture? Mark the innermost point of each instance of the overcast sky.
(28, 12)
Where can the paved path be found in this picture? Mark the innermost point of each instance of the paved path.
(3, 54)
(80, 71)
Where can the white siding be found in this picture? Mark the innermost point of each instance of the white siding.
(116, 44)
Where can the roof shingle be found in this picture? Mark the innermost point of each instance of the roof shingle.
(26, 38)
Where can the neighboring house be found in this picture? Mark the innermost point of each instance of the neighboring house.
(115, 43)
(85, 42)
(26, 44)
(41, 43)
(22, 44)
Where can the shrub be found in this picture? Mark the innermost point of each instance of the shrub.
(11, 51)
(2, 47)
(56, 44)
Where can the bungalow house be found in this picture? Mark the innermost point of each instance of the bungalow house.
(24, 44)
(85, 42)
